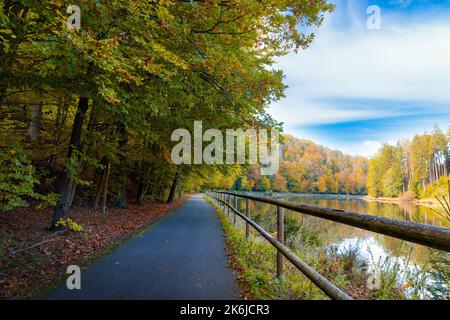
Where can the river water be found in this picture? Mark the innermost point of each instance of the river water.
(375, 248)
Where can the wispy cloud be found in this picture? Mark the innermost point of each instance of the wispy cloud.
(401, 3)
(351, 73)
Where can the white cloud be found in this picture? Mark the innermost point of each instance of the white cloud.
(294, 112)
(370, 147)
(372, 143)
(401, 62)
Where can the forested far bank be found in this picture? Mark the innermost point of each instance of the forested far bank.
(305, 167)
(410, 169)
(416, 168)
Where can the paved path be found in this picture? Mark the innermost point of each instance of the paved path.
(182, 257)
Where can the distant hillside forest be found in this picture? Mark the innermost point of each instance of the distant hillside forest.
(417, 168)
(306, 167)
(409, 169)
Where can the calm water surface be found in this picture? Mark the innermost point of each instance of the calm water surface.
(372, 246)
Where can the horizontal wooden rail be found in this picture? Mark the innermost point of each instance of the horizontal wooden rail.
(427, 235)
(320, 281)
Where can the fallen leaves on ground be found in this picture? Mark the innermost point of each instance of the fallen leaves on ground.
(31, 257)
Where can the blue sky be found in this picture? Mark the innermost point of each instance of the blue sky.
(356, 88)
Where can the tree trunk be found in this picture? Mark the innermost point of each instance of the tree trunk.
(446, 163)
(67, 183)
(173, 188)
(123, 175)
(122, 197)
(92, 117)
(98, 191)
(448, 188)
(430, 173)
(62, 207)
(72, 194)
(33, 130)
(105, 190)
(2, 99)
(75, 138)
(100, 183)
(142, 189)
(436, 175)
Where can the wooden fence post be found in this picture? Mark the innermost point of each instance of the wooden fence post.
(236, 208)
(224, 197)
(228, 208)
(280, 237)
(247, 212)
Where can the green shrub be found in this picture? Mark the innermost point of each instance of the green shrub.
(17, 177)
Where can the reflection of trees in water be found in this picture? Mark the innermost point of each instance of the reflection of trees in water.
(399, 248)
(331, 232)
(401, 211)
(420, 214)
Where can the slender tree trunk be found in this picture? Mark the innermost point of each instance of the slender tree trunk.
(75, 138)
(445, 167)
(67, 183)
(100, 183)
(72, 194)
(430, 172)
(92, 117)
(436, 175)
(98, 192)
(123, 195)
(2, 100)
(180, 193)
(57, 121)
(33, 130)
(123, 177)
(87, 146)
(142, 190)
(105, 190)
(173, 188)
(448, 188)
(446, 163)
(57, 128)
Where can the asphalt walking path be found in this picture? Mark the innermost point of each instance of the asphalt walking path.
(182, 257)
